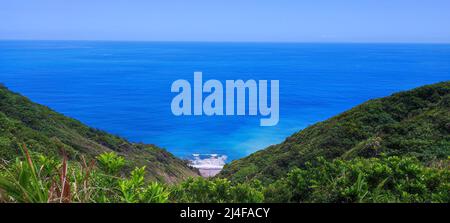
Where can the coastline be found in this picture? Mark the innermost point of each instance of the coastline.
(208, 165)
(209, 172)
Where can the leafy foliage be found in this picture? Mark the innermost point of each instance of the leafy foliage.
(111, 162)
(25, 181)
(200, 190)
(47, 180)
(386, 179)
(134, 190)
(43, 179)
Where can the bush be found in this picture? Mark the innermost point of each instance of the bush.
(200, 190)
(134, 190)
(386, 179)
(111, 162)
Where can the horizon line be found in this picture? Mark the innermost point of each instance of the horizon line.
(234, 41)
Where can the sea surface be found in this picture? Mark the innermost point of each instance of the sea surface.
(124, 87)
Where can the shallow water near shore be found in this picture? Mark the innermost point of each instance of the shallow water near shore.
(124, 87)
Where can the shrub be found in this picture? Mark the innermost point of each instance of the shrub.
(111, 162)
(386, 179)
(200, 190)
(134, 190)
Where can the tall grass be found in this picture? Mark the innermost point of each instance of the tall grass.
(24, 181)
(35, 178)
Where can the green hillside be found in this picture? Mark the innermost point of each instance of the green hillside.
(413, 123)
(47, 132)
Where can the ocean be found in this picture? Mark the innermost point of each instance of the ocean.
(124, 87)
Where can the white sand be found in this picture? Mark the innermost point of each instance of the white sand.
(210, 166)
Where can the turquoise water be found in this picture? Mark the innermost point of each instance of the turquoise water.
(124, 87)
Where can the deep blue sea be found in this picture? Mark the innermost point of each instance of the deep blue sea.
(124, 87)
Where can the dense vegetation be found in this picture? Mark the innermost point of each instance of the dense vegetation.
(385, 179)
(414, 123)
(39, 178)
(49, 133)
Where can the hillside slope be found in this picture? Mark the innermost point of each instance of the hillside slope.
(413, 123)
(48, 132)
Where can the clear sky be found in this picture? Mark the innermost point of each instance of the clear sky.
(228, 20)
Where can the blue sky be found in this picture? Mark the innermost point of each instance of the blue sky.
(228, 20)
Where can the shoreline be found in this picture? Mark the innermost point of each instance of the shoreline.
(208, 165)
(209, 172)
